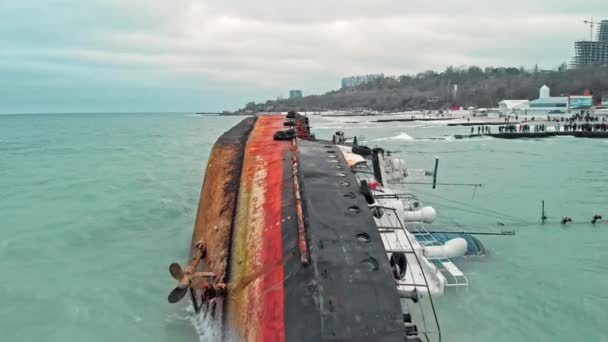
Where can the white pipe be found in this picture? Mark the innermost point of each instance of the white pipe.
(451, 249)
(426, 215)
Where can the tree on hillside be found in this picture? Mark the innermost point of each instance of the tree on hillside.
(432, 90)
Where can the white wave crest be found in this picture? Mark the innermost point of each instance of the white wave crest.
(207, 328)
(401, 136)
(451, 138)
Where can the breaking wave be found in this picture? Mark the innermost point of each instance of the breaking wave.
(451, 138)
(207, 329)
(401, 136)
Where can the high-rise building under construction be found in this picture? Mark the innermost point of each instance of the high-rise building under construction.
(592, 52)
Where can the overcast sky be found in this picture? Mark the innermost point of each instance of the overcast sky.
(188, 55)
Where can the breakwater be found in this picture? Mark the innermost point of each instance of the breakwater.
(414, 119)
(482, 123)
(578, 134)
(535, 135)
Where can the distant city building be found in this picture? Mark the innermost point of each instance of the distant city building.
(353, 81)
(295, 94)
(547, 104)
(602, 33)
(578, 102)
(592, 52)
(510, 107)
(604, 99)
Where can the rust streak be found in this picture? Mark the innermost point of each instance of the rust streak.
(250, 277)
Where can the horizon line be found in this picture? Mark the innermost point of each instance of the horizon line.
(110, 112)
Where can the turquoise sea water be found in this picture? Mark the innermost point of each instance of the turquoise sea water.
(94, 207)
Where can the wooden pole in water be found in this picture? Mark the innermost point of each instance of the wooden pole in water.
(435, 172)
(543, 217)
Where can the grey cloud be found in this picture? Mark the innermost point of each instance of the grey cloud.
(259, 49)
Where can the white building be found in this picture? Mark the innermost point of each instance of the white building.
(543, 106)
(511, 107)
(544, 92)
(548, 106)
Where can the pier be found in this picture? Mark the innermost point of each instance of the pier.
(578, 134)
(536, 135)
(462, 136)
(414, 119)
(483, 123)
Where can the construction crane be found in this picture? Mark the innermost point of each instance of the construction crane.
(591, 23)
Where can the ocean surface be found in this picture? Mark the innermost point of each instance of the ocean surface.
(94, 207)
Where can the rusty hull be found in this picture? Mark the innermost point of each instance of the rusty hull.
(218, 196)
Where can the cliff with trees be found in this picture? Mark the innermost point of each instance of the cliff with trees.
(475, 87)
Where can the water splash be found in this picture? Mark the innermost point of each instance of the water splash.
(207, 329)
(401, 136)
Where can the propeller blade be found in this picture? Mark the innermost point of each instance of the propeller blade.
(176, 271)
(177, 294)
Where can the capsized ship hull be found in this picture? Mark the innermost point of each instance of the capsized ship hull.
(284, 246)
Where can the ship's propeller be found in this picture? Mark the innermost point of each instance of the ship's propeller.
(187, 280)
(177, 294)
(181, 289)
(208, 283)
